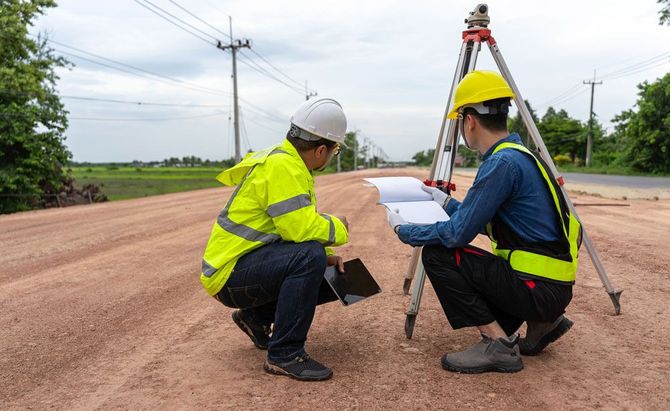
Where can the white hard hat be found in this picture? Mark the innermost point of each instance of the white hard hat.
(320, 118)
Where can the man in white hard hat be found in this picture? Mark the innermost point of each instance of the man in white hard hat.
(269, 247)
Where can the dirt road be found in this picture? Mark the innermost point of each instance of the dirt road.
(101, 307)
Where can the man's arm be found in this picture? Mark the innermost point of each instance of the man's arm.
(494, 183)
(295, 216)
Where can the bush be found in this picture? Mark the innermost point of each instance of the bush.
(138, 169)
(562, 159)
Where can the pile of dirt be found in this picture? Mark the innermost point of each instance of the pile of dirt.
(71, 195)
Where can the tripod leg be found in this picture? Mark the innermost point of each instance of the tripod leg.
(595, 258)
(415, 301)
(442, 167)
(409, 275)
(544, 153)
(439, 152)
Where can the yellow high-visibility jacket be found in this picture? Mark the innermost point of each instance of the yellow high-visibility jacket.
(274, 201)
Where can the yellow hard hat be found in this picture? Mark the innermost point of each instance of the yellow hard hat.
(479, 86)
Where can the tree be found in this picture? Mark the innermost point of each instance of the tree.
(664, 13)
(470, 158)
(516, 125)
(424, 158)
(645, 133)
(347, 153)
(563, 134)
(33, 156)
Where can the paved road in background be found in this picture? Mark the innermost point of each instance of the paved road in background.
(606, 179)
(624, 181)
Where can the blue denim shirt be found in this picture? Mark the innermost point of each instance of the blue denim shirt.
(509, 184)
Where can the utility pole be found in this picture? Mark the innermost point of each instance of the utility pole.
(589, 141)
(308, 93)
(234, 46)
(355, 152)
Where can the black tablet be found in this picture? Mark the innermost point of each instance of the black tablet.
(355, 284)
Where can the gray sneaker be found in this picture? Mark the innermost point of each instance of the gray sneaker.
(499, 355)
(539, 335)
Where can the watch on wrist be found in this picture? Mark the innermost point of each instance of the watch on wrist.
(446, 201)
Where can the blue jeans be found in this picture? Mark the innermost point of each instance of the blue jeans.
(280, 283)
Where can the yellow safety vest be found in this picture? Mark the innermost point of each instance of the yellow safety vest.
(534, 260)
(274, 201)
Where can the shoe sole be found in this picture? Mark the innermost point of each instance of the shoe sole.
(480, 370)
(247, 330)
(553, 335)
(276, 370)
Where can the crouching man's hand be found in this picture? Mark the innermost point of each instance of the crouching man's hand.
(344, 221)
(337, 261)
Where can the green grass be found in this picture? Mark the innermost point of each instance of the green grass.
(130, 182)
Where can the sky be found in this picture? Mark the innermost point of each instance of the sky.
(389, 63)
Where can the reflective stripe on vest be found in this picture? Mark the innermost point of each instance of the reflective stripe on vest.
(288, 205)
(331, 232)
(538, 265)
(241, 230)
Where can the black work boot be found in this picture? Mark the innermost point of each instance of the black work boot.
(259, 334)
(301, 368)
(501, 355)
(540, 334)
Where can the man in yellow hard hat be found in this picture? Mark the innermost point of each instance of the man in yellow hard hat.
(535, 240)
(269, 247)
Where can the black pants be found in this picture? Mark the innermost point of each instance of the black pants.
(476, 288)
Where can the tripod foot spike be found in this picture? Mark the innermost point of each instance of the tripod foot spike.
(406, 285)
(409, 325)
(614, 296)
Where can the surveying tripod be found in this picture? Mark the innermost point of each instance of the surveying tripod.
(475, 34)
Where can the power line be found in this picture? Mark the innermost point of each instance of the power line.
(140, 103)
(262, 125)
(160, 80)
(181, 83)
(264, 113)
(146, 119)
(258, 68)
(276, 69)
(564, 94)
(633, 67)
(639, 70)
(178, 19)
(250, 64)
(198, 18)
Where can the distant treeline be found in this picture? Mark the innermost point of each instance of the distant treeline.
(188, 161)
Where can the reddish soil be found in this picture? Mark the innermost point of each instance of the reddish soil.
(101, 307)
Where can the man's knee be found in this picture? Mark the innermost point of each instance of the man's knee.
(437, 256)
(315, 253)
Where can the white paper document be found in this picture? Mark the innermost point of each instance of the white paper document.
(404, 195)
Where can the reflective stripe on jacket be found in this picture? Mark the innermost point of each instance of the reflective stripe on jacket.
(274, 200)
(555, 261)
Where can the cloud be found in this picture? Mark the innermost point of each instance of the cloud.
(390, 63)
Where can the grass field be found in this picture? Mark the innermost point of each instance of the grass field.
(130, 182)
